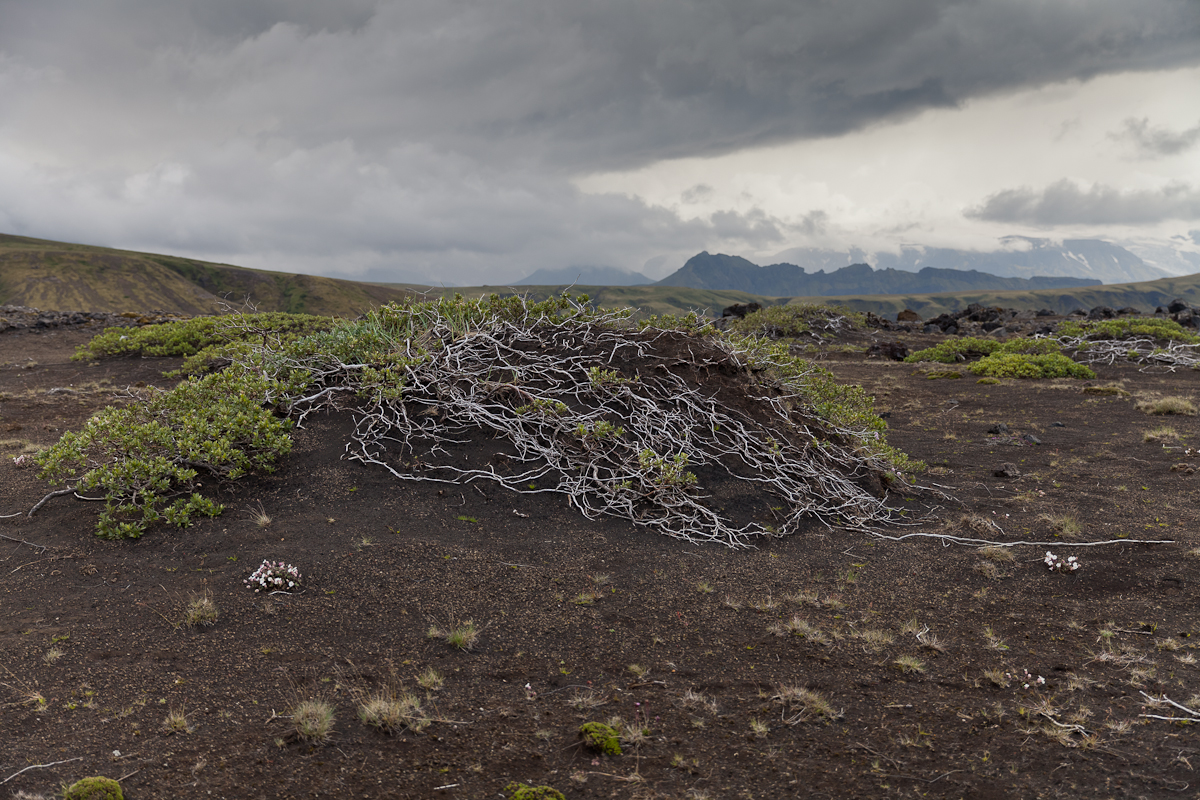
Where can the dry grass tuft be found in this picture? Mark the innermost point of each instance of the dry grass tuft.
(313, 720)
(1001, 555)
(201, 612)
(390, 712)
(1161, 435)
(909, 665)
(803, 704)
(431, 680)
(874, 640)
(1166, 406)
(1065, 525)
(259, 516)
(176, 722)
(463, 635)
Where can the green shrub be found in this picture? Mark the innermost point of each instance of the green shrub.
(601, 737)
(1021, 365)
(146, 457)
(202, 340)
(1154, 327)
(968, 347)
(94, 789)
(521, 791)
(790, 321)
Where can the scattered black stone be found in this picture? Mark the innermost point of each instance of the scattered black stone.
(1007, 470)
(1102, 312)
(999, 429)
(896, 351)
(1176, 306)
(17, 318)
(1029, 437)
(908, 315)
(1057, 425)
(740, 310)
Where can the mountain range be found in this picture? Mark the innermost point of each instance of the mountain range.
(719, 271)
(585, 276)
(1017, 257)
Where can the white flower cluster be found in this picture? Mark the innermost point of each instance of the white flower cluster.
(22, 461)
(1070, 564)
(1026, 678)
(274, 576)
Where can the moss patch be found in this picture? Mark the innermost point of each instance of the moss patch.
(601, 737)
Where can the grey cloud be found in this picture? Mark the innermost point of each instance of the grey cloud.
(413, 214)
(439, 138)
(697, 193)
(578, 85)
(1154, 142)
(1065, 203)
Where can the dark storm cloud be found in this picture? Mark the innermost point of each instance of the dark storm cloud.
(581, 85)
(1153, 142)
(1066, 203)
(441, 136)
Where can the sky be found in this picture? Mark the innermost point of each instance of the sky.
(462, 142)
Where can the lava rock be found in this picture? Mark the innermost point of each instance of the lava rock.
(740, 310)
(1007, 470)
(896, 351)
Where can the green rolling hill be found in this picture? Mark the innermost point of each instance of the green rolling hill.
(56, 276)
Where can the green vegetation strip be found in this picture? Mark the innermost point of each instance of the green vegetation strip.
(592, 404)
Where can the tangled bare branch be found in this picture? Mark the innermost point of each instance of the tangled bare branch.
(591, 408)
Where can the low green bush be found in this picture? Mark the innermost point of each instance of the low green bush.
(968, 347)
(146, 457)
(1102, 329)
(202, 340)
(1024, 365)
(790, 321)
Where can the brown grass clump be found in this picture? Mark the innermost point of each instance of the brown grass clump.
(1161, 435)
(1167, 406)
(1065, 525)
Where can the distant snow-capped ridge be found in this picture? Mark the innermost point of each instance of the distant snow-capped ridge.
(1017, 257)
(584, 276)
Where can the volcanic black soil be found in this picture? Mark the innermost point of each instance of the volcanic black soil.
(948, 671)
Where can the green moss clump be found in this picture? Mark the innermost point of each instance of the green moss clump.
(599, 736)
(521, 791)
(943, 373)
(988, 381)
(94, 789)
(1020, 365)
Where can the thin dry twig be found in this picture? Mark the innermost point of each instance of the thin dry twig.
(40, 766)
